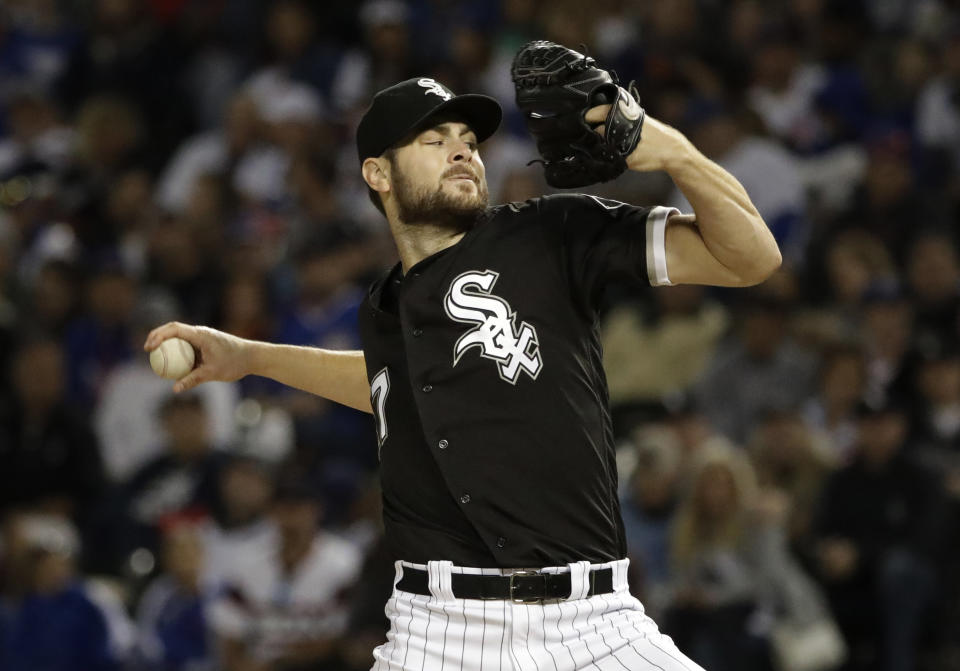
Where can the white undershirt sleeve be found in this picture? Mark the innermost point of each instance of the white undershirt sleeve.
(656, 248)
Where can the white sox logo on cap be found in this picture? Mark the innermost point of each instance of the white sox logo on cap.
(434, 87)
(469, 301)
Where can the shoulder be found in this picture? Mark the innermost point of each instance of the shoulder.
(562, 207)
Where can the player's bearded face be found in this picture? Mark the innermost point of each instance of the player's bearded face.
(456, 196)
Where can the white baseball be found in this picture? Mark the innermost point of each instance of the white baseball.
(173, 359)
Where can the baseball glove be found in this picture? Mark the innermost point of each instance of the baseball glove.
(555, 88)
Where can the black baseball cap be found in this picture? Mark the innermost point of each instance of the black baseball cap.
(402, 108)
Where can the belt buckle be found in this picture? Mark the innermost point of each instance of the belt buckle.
(528, 599)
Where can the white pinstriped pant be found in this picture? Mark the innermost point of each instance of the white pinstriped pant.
(606, 632)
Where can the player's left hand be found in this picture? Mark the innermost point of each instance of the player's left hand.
(659, 145)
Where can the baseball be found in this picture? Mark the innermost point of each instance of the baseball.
(173, 359)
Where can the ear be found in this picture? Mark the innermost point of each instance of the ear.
(376, 173)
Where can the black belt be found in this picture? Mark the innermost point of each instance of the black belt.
(521, 587)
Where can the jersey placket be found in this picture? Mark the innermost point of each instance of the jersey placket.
(421, 342)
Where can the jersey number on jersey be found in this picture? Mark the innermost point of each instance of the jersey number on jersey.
(379, 388)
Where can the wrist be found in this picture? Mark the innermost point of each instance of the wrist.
(253, 358)
(681, 155)
(661, 147)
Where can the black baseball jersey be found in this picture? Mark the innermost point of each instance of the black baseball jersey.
(489, 396)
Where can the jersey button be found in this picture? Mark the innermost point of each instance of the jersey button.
(465, 498)
(501, 542)
(427, 388)
(443, 444)
(417, 333)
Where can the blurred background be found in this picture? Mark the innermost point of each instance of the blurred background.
(789, 455)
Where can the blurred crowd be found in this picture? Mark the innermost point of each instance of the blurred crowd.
(789, 454)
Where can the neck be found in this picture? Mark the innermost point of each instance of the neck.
(417, 241)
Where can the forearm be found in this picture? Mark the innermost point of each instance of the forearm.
(731, 228)
(340, 376)
(726, 242)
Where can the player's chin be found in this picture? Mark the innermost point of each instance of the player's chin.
(461, 186)
(465, 190)
(468, 199)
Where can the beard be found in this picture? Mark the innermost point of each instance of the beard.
(459, 210)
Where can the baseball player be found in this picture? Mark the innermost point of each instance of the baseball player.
(482, 368)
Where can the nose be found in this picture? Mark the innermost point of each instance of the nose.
(461, 153)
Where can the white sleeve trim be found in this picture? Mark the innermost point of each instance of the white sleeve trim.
(656, 245)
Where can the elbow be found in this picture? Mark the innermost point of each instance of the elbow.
(764, 265)
(768, 258)
(772, 263)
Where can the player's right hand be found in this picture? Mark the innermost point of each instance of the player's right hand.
(221, 357)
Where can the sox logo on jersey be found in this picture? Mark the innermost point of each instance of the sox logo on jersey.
(469, 301)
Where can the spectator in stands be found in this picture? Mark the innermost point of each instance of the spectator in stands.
(832, 411)
(122, 51)
(294, 51)
(54, 297)
(759, 369)
(109, 144)
(318, 216)
(385, 58)
(877, 535)
(245, 308)
(887, 334)
(60, 621)
(854, 261)
(37, 135)
(286, 609)
(718, 561)
(99, 338)
(890, 194)
(178, 260)
(936, 439)
(785, 86)
(648, 504)
(222, 151)
(244, 527)
(49, 457)
(793, 461)
(933, 277)
(172, 616)
(937, 109)
(680, 333)
(31, 234)
(936, 423)
(181, 478)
